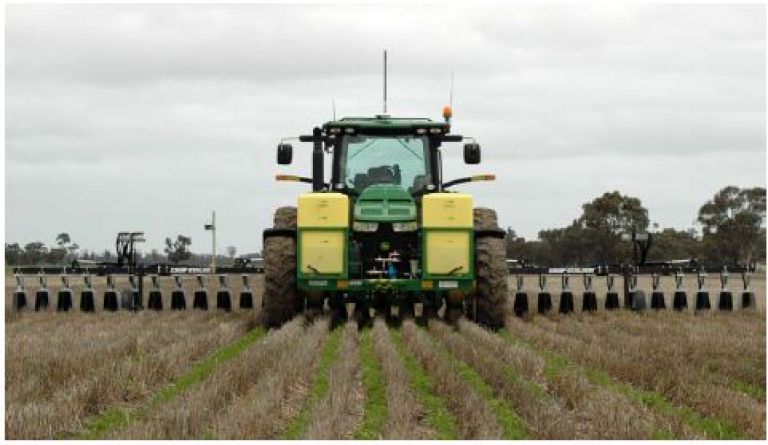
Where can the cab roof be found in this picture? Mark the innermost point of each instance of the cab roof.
(386, 123)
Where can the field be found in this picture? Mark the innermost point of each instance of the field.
(202, 375)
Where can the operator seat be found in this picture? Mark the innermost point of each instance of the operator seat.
(382, 175)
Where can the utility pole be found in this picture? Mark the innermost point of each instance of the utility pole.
(212, 228)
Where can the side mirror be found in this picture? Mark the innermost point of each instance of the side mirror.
(284, 154)
(472, 153)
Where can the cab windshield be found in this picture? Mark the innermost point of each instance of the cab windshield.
(400, 160)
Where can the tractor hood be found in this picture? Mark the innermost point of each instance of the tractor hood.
(385, 203)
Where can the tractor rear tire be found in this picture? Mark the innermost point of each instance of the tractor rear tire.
(453, 314)
(338, 310)
(491, 273)
(285, 218)
(281, 297)
(485, 219)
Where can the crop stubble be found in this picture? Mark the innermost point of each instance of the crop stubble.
(58, 374)
(546, 379)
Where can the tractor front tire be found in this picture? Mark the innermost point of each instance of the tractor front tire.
(485, 219)
(491, 274)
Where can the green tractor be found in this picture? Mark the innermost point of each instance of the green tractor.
(384, 232)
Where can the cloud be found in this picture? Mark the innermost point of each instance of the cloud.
(146, 117)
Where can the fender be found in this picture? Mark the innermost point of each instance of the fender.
(490, 233)
(271, 233)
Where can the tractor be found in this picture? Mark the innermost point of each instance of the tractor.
(384, 231)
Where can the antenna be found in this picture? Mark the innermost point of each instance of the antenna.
(448, 110)
(333, 107)
(385, 81)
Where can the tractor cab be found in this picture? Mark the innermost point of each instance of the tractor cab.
(385, 151)
(382, 150)
(397, 160)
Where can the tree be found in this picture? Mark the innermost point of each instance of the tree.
(231, 251)
(605, 219)
(177, 250)
(13, 254)
(515, 245)
(35, 252)
(734, 224)
(527, 253)
(593, 238)
(615, 213)
(57, 255)
(155, 256)
(65, 242)
(569, 246)
(62, 239)
(671, 244)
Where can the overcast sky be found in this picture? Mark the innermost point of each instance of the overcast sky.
(148, 117)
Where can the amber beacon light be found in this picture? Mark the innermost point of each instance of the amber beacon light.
(447, 113)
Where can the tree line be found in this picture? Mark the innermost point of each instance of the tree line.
(732, 232)
(732, 223)
(64, 252)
